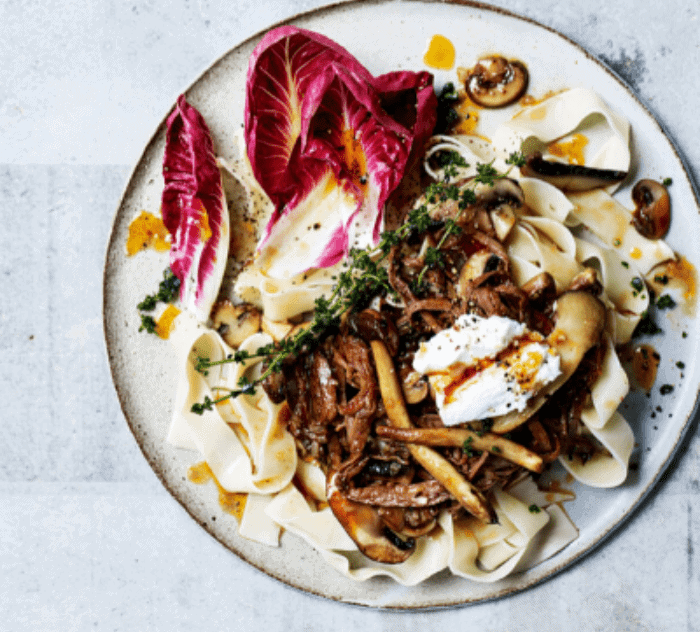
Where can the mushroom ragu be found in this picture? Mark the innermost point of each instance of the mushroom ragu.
(362, 412)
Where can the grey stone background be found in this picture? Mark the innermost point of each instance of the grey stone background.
(89, 539)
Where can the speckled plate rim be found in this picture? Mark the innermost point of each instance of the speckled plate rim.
(529, 579)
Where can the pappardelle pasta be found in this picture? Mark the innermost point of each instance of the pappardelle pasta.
(394, 403)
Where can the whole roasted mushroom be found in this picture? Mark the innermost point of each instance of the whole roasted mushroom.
(495, 82)
(652, 215)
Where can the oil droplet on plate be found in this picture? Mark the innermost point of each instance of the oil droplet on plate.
(147, 231)
(164, 324)
(231, 502)
(440, 54)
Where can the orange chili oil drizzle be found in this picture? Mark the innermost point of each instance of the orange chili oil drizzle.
(231, 502)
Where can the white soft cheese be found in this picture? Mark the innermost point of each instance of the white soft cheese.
(491, 387)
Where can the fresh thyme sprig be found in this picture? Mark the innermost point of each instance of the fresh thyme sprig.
(365, 275)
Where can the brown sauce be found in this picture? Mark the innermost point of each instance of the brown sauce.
(642, 363)
(554, 488)
(231, 502)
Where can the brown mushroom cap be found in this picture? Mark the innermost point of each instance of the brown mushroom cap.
(652, 215)
(580, 319)
(496, 82)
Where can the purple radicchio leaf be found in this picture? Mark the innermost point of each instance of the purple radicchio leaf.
(194, 209)
(328, 142)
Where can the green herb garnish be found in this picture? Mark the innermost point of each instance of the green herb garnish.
(666, 389)
(534, 509)
(517, 159)
(467, 446)
(365, 276)
(665, 302)
(167, 292)
(667, 182)
(637, 284)
(147, 324)
(646, 326)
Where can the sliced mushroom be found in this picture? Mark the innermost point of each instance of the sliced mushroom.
(652, 215)
(503, 220)
(495, 82)
(366, 527)
(586, 280)
(569, 177)
(438, 466)
(414, 387)
(541, 288)
(278, 330)
(580, 319)
(458, 437)
(411, 523)
(473, 268)
(235, 323)
(503, 193)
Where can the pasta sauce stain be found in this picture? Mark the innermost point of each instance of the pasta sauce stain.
(572, 150)
(679, 275)
(554, 489)
(440, 54)
(231, 502)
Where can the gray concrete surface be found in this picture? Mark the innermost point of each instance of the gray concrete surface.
(88, 537)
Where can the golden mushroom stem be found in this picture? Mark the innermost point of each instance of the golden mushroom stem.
(460, 437)
(440, 468)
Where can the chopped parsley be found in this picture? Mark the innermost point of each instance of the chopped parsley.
(467, 447)
(667, 182)
(661, 278)
(147, 324)
(646, 327)
(637, 284)
(517, 159)
(680, 365)
(534, 509)
(665, 302)
(446, 114)
(666, 389)
(167, 292)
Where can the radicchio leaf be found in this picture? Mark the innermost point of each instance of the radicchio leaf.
(194, 209)
(328, 142)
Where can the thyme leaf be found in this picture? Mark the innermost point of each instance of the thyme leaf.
(366, 276)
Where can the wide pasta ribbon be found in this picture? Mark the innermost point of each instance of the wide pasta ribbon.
(241, 440)
(468, 548)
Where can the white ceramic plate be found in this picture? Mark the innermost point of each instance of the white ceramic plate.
(390, 35)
